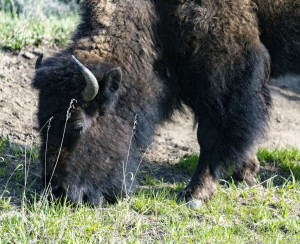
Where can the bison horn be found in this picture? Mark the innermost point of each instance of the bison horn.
(39, 61)
(91, 88)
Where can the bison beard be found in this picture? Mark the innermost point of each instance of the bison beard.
(149, 58)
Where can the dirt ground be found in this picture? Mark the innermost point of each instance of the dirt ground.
(18, 107)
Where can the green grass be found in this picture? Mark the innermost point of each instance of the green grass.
(17, 31)
(287, 159)
(188, 162)
(263, 214)
(15, 170)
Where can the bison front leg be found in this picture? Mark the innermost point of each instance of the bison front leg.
(203, 183)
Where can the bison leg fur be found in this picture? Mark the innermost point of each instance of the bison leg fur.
(247, 171)
(203, 183)
(228, 135)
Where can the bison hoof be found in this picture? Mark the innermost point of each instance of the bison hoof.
(191, 202)
(251, 181)
(248, 181)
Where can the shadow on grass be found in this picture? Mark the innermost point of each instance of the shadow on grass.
(271, 168)
(18, 163)
(19, 171)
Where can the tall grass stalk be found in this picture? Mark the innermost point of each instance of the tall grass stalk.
(68, 115)
(125, 173)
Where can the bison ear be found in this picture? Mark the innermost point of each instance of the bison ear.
(112, 79)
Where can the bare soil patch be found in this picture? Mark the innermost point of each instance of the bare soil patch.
(18, 100)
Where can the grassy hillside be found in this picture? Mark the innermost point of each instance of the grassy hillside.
(39, 22)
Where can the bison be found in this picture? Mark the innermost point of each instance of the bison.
(132, 63)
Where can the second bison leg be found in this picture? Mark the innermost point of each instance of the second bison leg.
(246, 171)
(231, 119)
(203, 183)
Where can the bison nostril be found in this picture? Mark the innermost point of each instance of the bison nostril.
(85, 199)
(54, 188)
(57, 190)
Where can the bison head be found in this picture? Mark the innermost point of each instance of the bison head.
(84, 137)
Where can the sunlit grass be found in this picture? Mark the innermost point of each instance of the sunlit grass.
(287, 159)
(20, 30)
(235, 214)
(188, 162)
(232, 215)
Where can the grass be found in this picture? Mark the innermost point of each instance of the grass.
(266, 213)
(287, 159)
(188, 162)
(23, 29)
(15, 165)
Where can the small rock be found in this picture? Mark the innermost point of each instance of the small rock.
(194, 204)
(28, 55)
(185, 148)
(16, 115)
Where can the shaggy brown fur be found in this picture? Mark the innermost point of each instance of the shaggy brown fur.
(221, 69)
(112, 33)
(279, 24)
(206, 54)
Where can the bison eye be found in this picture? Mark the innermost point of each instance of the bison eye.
(77, 126)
